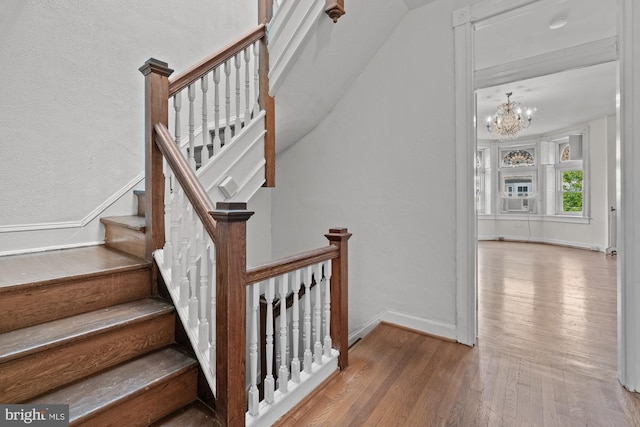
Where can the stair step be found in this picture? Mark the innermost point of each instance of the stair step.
(135, 393)
(45, 286)
(39, 358)
(141, 201)
(195, 415)
(125, 233)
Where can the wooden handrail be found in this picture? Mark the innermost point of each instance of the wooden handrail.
(292, 263)
(218, 58)
(187, 179)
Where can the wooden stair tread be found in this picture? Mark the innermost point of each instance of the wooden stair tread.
(133, 222)
(99, 392)
(37, 269)
(195, 415)
(33, 339)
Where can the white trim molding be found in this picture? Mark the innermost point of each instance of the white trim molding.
(37, 237)
(628, 198)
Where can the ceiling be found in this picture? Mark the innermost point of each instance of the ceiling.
(560, 100)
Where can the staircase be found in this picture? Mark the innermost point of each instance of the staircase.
(81, 327)
(86, 327)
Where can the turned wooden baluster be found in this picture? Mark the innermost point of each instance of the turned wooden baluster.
(247, 86)
(168, 202)
(283, 372)
(269, 384)
(307, 320)
(227, 101)
(317, 323)
(175, 234)
(191, 93)
(216, 110)
(327, 308)
(193, 272)
(295, 362)
(204, 154)
(256, 78)
(254, 394)
(203, 324)
(184, 253)
(238, 122)
(212, 314)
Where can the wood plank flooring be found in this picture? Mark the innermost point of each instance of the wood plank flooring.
(546, 355)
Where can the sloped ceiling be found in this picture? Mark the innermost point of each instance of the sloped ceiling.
(331, 60)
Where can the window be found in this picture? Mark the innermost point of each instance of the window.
(571, 189)
(570, 176)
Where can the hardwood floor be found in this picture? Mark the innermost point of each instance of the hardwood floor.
(546, 355)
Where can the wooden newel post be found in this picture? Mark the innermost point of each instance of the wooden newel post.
(340, 294)
(156, 110)
(267, 103)
(231, 318)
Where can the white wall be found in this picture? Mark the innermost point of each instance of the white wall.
(72, 113)
(591, 235)
(382, 163)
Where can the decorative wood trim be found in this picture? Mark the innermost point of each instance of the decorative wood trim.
(585, 55)
(156, 111)
(340, 294)
(183, 80)
(295, 262)
(265, 11)
(335, 9)
(466, 322)
(187, 179)
(231, 316)
(268, 104)
(295, 35)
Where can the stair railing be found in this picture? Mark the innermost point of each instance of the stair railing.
(304, 340)
(200, 251)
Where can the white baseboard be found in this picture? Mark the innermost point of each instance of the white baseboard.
(408, 321)
(577, 245)
(88, 231)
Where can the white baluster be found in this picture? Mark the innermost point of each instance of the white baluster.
(269, 384)
(184, 253)
(238, 123)
(327, 309)
(247, 87)
(254, 394)
(216, 110)
(227, 101)
(212, 308)
(295, 362)
(256, 79)
(204, 154)
(283, 373)
(175, 235)
(167, 252)
(203, 325)
(307, 320)
(177, 106)
(192, 126)
(193, 272)
(317, 324)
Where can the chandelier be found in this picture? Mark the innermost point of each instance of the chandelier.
(508, 121)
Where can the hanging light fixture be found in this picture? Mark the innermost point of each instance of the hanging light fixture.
(508, 121)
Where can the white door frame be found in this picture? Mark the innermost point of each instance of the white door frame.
(627, 47)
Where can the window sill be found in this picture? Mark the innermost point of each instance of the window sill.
(535, 217)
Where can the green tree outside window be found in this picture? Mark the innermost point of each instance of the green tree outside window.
(572, 194)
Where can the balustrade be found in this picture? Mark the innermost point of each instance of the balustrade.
(200, 250)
